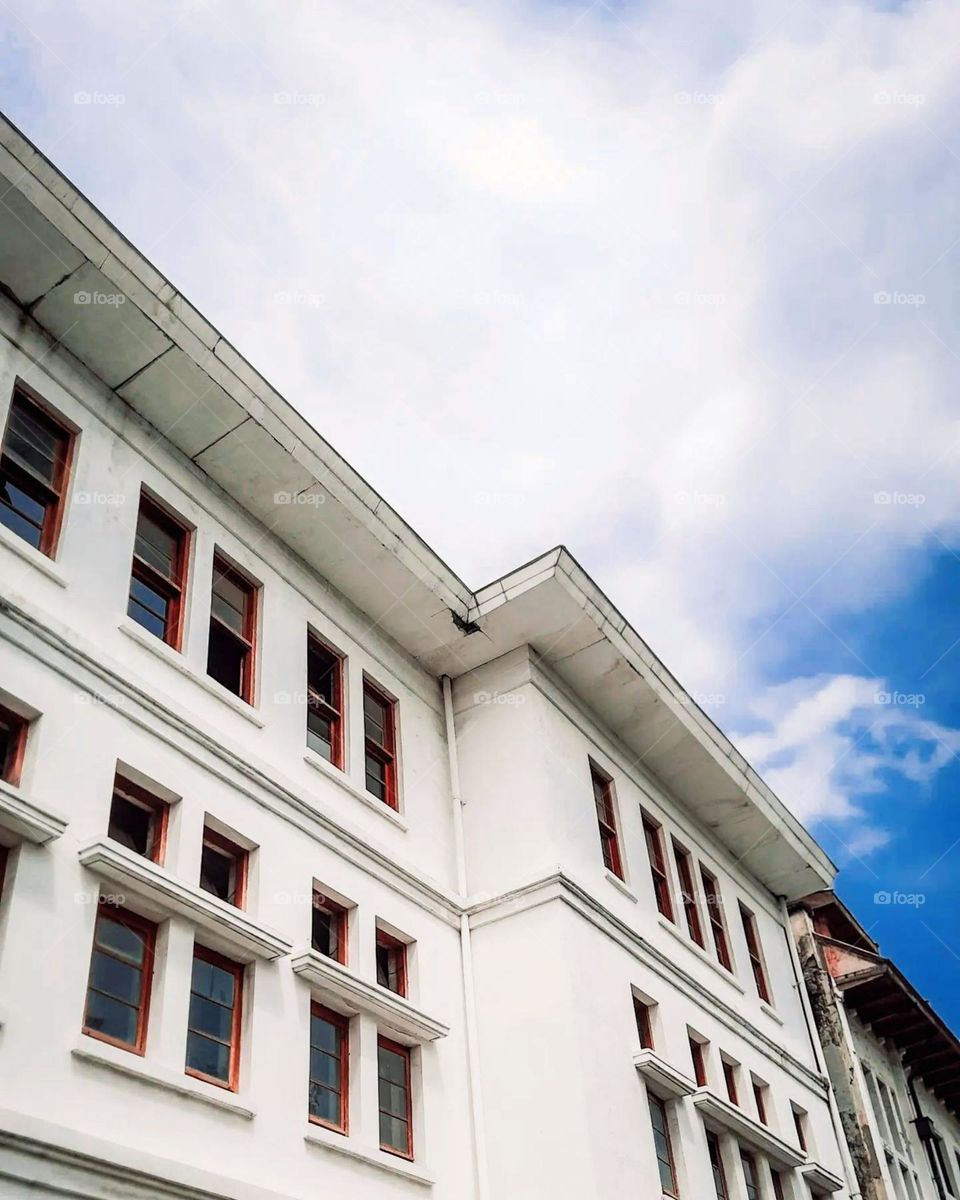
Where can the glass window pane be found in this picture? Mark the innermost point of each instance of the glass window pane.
(156, 545)
(210, 1018)
(393, 1098)
(376, 772)
(229, 601)
(319, 736)
(324, 1035)
(116, 978)
(393, 1066)
(21, 514)
(34, 441)
(131, 825)
(324, 1104)
(111, 1017)
(119, 938)
(393, 1132)
(211, 1058)
(324, 1069)
(213, 982)
(225, 659)
(375, 717)
(218, 873)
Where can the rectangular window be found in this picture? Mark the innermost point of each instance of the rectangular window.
(158, 574)
(13, 744)
(777, 1185)
(718, 927)
(223, 868)
(607, 820)
(231, 651)
(138, 820)
(329, 1052)
(662, 1145)
(716, 1165)
(699, 1060)
(391, 963)
(644, 1018)
(799, 1124)
(396, 1121)
(121, 967)
(213, 1026)
(658, 869)
(750, 1175)
(328, 933)
(34, 465)
(324, 701)
(753, 949)
(688, 896)
(891, 1119)
(760, 1100)
(379, 731)
(730, 1080)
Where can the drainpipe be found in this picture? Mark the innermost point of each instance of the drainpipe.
(926, 1133)
(466, 952)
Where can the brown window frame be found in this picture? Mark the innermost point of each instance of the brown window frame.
(730, 1081)
(223, 568)
(653, 835)
(655, 1102)
(644, 1019)
(159, 809)
(321, 902)
(315, 701)
(405, 1054)
(342, 1025)
(147, 931)
(240, 854)
(51, 494)
(777, 1181)
(393, 945)
(718, 924)
(11, 768)
(699, 1060)
(798, 1123)
(172, 587)
(755, 953)
(717, 1170)
(688, 895)
(237, 970)
(750, 1180)
(604, 802)
(385, 752)
(759, 1100)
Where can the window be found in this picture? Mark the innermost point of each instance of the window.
(328, 934)
(380, 762)
(777, 1185)
(13, 743)
(391, 963)
(711, 891)
(34, 464)
(644, 1016)
(750, 1175)
(698, 1058)
(329, 1044)
(760, 1100)
(3, 868)
(138, 820)
(730, 1080)
(396, 1124)
(716, 1165)
(324, 701)
(223, 868)
(753, 949)
(688, 896)
(891, 1119)
(118, 991)
(607, 820)
(233, 623)
(213, 1026)
(661, 884)
(158, 574)
(800, 1125)
(661, 1142)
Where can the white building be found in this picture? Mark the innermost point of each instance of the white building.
(525, 901)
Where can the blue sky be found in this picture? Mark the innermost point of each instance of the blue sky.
(671, 284)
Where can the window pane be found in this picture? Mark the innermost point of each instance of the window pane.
(117, 979)
(211, 1058)
(319, 734)
(210, 1018)
(229, 600)
(213, 982)
(218, 873)
(374, 717)
(325, 936)
(324, 1068)
(156, 545)
(34, 441)
(393, 1066)
(393, 1132)
(322, 673)
(376, 777)
(324, 1104)
(225, 659)
(111, 1017)
(21, 514)
(131, 825)
(324, 1035)
(121, 939)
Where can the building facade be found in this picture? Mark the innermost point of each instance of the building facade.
(323, 873)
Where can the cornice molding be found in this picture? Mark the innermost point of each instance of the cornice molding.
(25, 819)
(749, 1132)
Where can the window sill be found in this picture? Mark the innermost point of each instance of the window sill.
(337, 776)
(98, 1054)
(347, 993)
(619, 884)
(24, 820)
(820, 1178)
(379, 1159)
(721, 1113)
(771, 1012)
(175, 659)
(46, 566)
(663, 1080)
(704, 957)
(161, 895)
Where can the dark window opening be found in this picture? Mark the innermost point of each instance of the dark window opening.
(391, 963)
(607, 821)
(324, 701)
(158, 573)
(118, 990)
(231, 648)
(328, 935)
(379, 721)
(13, 742)
(34, 463)
(137, 819)
(223, 868)
(658, 869)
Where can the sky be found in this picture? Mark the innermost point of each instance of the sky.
(671, 283)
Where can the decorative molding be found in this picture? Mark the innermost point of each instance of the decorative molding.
(347, 992)
(341, 781)
(26, 819)
(165, 895)
(822, 1179)
(662, 1079)
(378, 1159)
(734, 1120)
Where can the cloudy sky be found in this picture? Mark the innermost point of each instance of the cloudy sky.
(671, 283)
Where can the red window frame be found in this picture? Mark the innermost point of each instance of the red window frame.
(240, 855)
(653, 834)
(237, 971)
(247, 638)
(333, 713)
(342, 1025)
(322, 903)
(754, 952)
(688, 895)
(716, 1164)
(760, 1101)
(50, 493)
(397, 965)
(718, 926)
(11, 767)
(798, 1119)
(699, 1061)
(730, 1080)
(777, 1185)
(172, 586)
(658, 1106)
(384, 752)
(404, 1053)
(159, 809)
(147, 931)
(606, 820)
(644, 1019)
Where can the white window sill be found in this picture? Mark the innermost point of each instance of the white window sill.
(619, 884)
(380, 1159)
(123, 1062)
(663, 1079)
(176, 660)
(720, 1112)
(24, 820)
(702, 954)
(771, 1012)
(319, 763)
(45, 565)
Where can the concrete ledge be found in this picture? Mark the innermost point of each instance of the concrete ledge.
(731, 1119)
(823, 1180)
(662, 1079)
(340, 780)
(25, 820)
(377, 1159)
